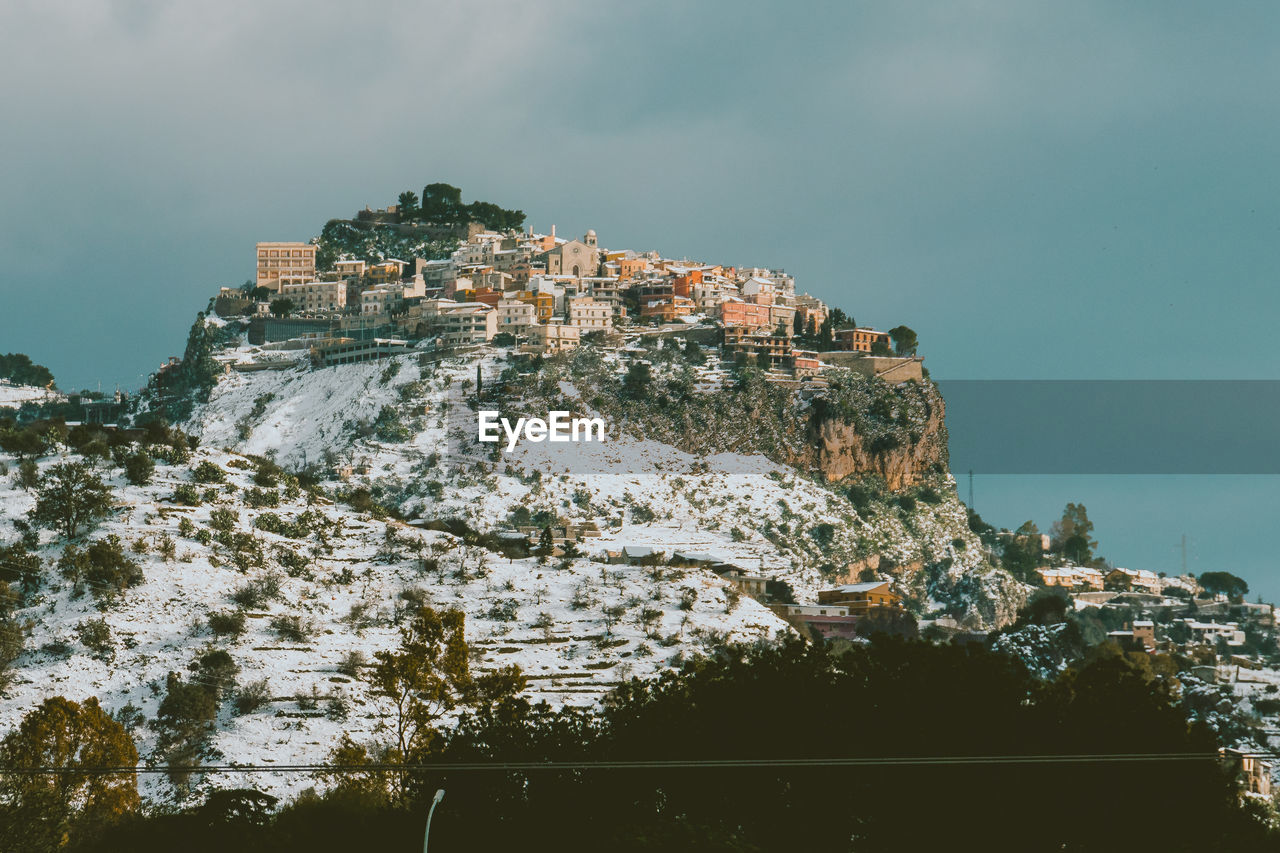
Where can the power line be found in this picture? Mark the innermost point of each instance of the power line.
(653, 764)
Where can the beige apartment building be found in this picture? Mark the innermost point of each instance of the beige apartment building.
(515, 317)
(466, 324)
(285, 263)
(590, 315)
(315, 296)
(554, 337)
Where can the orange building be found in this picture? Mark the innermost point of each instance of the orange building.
(744, 314)
(544, 304)
(668, 309)
(684, 278)
(629, 268)
(859, 340)
(487, 295)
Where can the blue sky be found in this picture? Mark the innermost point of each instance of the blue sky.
(1042, 190)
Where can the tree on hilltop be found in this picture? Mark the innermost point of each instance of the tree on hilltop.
(1071, 535)
(904, 340)
(1223, 583)
(408, 209)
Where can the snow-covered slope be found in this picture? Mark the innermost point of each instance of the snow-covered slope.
(575, 627)
(740, 508)
(15, 396)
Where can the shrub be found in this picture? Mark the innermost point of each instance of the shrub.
(95, 635)
(252, 696)
(227, 623)
(208, 472)
(268, 474)
(504, 610)
(105, 567)
(258, 498)
(688, 598)
(216, 672)
(223, 519)
(351, 664)
(71, 497)
(139, 468)
(292, 627)
(642, 514)
(185, 714)
(28, 474)
(186, 495)
(257, 592)
(186, 528)
(338, 708)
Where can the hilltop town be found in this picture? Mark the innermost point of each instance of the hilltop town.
(546, 294)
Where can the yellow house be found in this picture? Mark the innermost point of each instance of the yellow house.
(861, 597)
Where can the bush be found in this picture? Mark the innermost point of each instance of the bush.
(257, 592)
(292, 627)
(223, 520)
(186, 495)
(184, 715)
(95, 635)
(258, 498)
(71, 497)
(28, 474)
(139, 468)
(268, 474)
(103, 566)
(208, 472)
(227, 623)
(351, 664)
(252, 696)
(216, 672)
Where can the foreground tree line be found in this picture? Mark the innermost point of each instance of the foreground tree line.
(805, 705)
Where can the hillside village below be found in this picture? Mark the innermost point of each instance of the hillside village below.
(329, 393)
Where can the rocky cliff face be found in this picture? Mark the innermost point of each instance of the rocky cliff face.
(867, 428)
(839, 449)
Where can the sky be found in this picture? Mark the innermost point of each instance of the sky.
(1041, 190)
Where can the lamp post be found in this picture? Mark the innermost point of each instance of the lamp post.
(434, 802)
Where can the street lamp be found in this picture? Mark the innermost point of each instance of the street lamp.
(434, 802)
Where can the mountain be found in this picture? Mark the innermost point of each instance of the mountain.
(322, 506)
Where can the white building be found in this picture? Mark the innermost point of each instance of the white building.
(315, 296)
(555, 337)
(590, 315)
(468, 323)
(515, 316)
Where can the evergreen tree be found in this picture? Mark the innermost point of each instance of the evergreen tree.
(408, 209)
(70, 498)
(904, 340)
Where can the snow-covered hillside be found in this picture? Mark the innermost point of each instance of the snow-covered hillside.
(15, 396)
(339, 585)
(302, 590)
(739, 508)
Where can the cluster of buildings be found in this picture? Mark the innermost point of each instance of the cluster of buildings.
(1185, 619)
(547, 292)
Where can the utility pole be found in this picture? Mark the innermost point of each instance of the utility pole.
(1184, 553)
